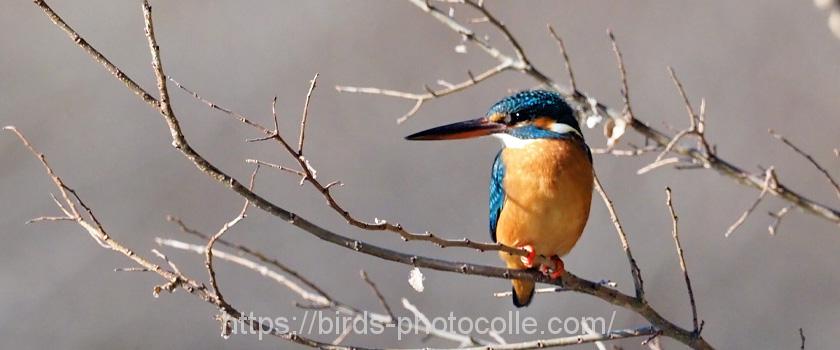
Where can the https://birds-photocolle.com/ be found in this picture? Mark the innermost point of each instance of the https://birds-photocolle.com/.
(541, 181)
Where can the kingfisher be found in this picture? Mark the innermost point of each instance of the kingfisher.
(541, 181)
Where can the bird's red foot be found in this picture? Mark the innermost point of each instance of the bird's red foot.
(528, 260)
(559, 267)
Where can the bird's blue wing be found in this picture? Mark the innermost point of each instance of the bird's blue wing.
(497, 193)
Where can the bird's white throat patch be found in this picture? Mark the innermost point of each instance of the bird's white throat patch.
(563, 128)
(515, 142)
(511, 141)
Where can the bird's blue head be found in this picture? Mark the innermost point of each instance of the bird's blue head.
(527, 115)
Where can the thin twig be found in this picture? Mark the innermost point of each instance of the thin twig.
(625, 88)
(810, 159)
(657, 164)
(378, 295)
(50, 218)
(208, 248)
(420, 99)
(802, 338)
(566, 62)
(769, 182)
(276, 166)
(777, 219)
(632, 152)
(696, 124)
(681, 256)
(692, 117)
(426, 327)
(572, 340)
(312, 84)
(342, 336)
(625, 243)
(316, 299)
(263, 258)
(212, 105)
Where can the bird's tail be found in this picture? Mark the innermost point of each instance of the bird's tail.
(523, 291)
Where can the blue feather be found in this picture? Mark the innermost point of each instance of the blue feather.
(497, 193)
(529, 104)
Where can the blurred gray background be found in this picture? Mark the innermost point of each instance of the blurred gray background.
(759, 64)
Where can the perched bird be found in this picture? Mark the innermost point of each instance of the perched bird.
(541, 181)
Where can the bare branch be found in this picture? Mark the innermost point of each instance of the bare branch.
(212, 105)
(625, 89)
(657, 164)
(572, 340)
(253, 253)
(318, 299)
(307, 175)
(802, 337)
(420, 99)
(625, 243)
(305, 114)
(517, 48)
(174, 279)
(425, 326)
(50, 218)
(696, 125)
(680, 254)
(566, 62)
(691, 116)
(276, 166)
(632, 152)
(777, 219)
(96, 55)
(769, 182)
(208, 249)
(378, 295)
(810, 159)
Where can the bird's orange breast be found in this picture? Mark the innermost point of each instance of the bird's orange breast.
(548, 192)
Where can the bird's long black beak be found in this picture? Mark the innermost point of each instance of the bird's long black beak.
(460, 130)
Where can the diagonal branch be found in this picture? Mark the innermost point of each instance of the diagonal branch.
(625, 243)
(379, 295)
(590, 105)
(307, 174)
(810, 159)
(676, 234)
(174, 278)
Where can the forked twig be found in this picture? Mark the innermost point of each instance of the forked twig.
(769, 182)
(777, 219)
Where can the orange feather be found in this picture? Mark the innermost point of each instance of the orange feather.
(548, 191)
